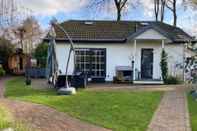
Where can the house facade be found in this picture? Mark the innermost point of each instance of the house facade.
(103, 48)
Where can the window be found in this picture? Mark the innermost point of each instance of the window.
(91, 61)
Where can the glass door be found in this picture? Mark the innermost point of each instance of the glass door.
(91, 61)
(147, 64)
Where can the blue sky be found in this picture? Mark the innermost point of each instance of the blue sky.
(45, 10)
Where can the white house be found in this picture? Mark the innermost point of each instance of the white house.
(103, 47)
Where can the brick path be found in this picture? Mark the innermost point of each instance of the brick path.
(129, 87)
(172, 114)
(43, 118)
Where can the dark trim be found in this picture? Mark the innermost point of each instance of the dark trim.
(152, 70)
(90, 41)
(105, 60)
(182, 41)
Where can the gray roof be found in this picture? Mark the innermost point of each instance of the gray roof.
(117, 31)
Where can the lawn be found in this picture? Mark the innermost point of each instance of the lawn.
(193, 112)
(117, 110)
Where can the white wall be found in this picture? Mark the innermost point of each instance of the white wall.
(116, 55)
(151, 34)
(157, 48)
(120, 54)
(175, 59)
(175, 56)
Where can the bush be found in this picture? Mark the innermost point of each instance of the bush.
(164, 66)
(41, 54)
(2, 72)
(172, 80)
(6, 49)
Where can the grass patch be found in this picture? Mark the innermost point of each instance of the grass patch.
(193, 112)
(117, 110)
(5, 120)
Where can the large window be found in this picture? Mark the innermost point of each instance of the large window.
(91, 61)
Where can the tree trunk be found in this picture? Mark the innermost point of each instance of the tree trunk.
(174, 13)
(163, 4)
(156, 8)
(118, 14)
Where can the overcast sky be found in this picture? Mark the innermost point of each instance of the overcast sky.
(45, 10)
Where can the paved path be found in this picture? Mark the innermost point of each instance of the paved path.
(110, 87)
(172, 114)
(43, 118)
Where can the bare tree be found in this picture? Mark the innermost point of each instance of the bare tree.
(163, 5)
(32, 34)
(119, 4)
(159, 9)
(25, 36)
(171, 5)
(156, 9)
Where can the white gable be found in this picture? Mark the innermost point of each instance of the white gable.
(151, 34)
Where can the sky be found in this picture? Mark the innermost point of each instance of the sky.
(62, 10)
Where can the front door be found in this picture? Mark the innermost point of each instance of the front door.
(147, 64)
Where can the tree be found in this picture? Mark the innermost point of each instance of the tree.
(25, 36)
(164, 66)
(32, 34)
(163, 5)
(172, 6)
(156, 9)
(41, 54)
(119, 4)
(159, 9)
(6, 49)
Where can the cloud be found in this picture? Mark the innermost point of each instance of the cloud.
(148, 7)
(52, 7)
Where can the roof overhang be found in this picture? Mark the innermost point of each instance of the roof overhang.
(160, 31)
(60, 40)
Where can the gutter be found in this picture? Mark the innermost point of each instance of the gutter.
(90, 40)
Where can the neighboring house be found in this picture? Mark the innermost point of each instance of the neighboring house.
(103, 48)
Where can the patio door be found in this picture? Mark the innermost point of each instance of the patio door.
(91, 61)
(147, 64)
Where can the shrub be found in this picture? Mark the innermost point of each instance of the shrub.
(6, 49)
(41, 54)
(164, 66)
(172, 80)
(2, 72)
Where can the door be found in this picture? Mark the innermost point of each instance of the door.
(147, 64)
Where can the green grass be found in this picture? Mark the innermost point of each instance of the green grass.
(193, 112)
(117, 110)
(5, 119)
